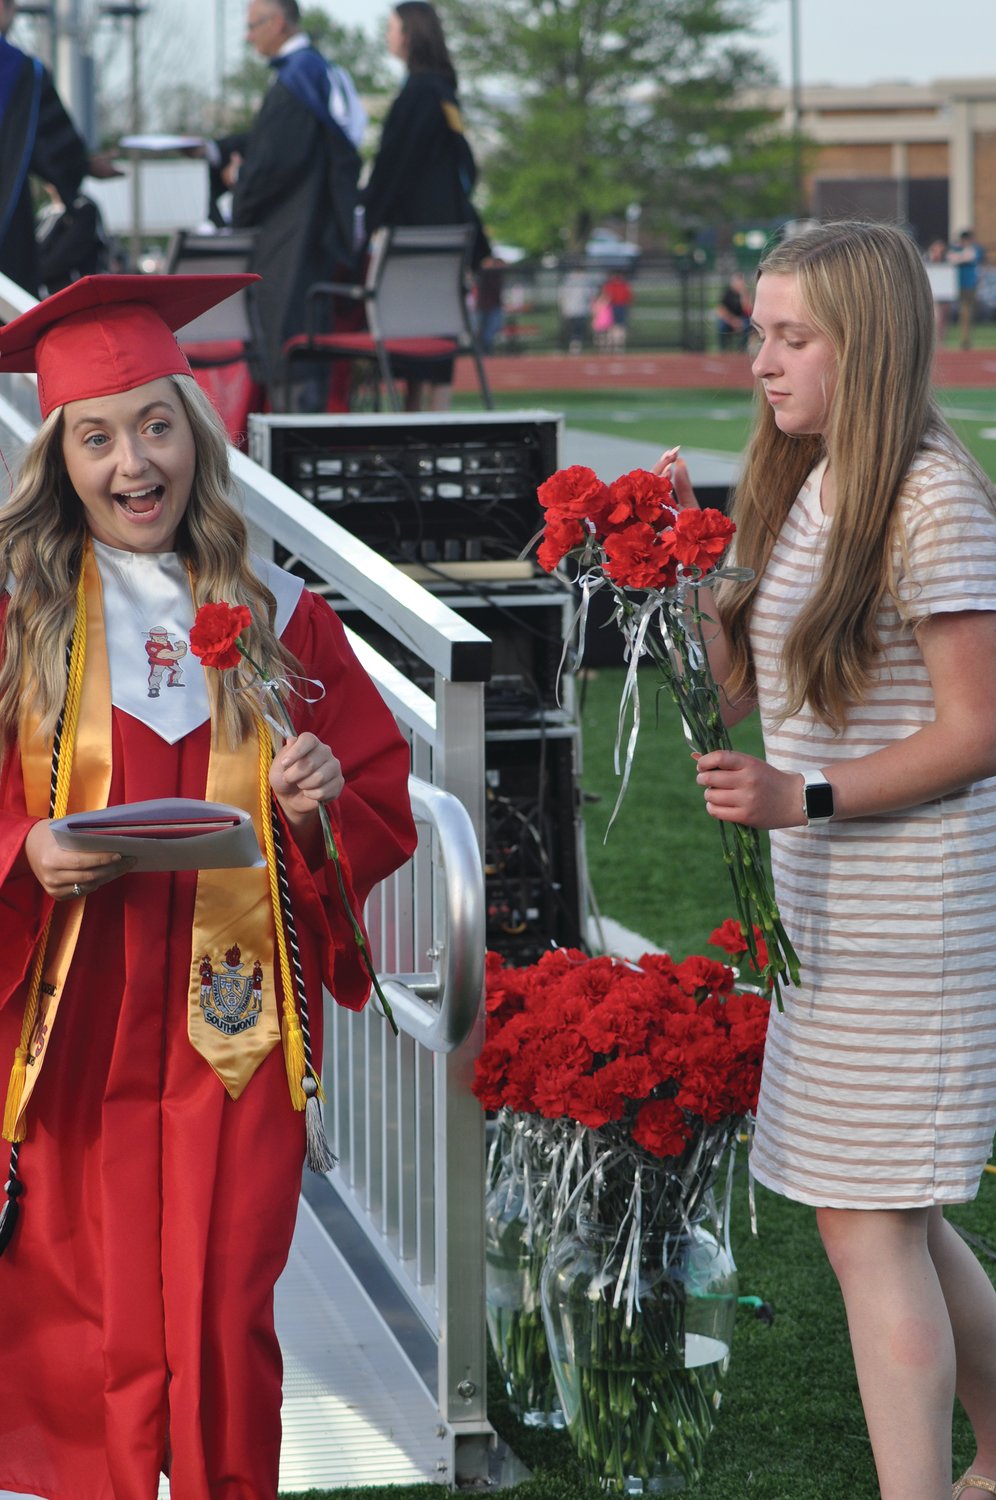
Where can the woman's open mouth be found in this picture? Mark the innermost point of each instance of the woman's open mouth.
(142, 503)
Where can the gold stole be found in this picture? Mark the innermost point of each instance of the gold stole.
(232, 909)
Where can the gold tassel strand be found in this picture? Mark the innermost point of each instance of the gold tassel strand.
(66, 746)
(302, 1079)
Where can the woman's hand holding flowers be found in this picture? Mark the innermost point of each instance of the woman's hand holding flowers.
(742, 789)
(670, 466)
(305, 773)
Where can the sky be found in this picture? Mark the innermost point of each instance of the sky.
(841, 41)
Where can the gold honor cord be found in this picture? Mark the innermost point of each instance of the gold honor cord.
(13, 1124)
(303, 1081)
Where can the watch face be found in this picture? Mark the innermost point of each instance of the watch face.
(819, 800)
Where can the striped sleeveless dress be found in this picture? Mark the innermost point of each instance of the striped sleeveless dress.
(879, 1082)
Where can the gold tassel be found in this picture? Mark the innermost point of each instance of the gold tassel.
(19, 1068)
(63, 774)
(293, 1036)
(15, 1088)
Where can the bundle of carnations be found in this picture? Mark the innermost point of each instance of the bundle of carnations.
(636, 1076)
(632, 538)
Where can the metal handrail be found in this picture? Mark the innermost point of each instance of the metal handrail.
(439, 1009)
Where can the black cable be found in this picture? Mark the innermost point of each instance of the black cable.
(320, 1157)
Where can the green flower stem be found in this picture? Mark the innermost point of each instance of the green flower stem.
(521, 1351)
(358, 936)
(640, 1413)
(331, 848)
(686, 677)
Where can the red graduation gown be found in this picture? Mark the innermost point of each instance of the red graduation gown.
(136, 1298)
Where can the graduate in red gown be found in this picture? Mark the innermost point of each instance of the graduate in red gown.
(150, 1021)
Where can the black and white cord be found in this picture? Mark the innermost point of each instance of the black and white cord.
(320, 1156)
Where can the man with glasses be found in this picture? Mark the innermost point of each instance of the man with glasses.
(293, 178)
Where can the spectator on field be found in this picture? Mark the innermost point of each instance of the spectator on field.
(968, 256)
(733, 313)
(574, 301)
(488, 301)
(620, 298)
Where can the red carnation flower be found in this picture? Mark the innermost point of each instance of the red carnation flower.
(215, 631)
(561, 536)
(701, 537)
(576, 493)
(630, 1077)
(699, 976)
(591, 1102)
(729, 936)
(621, 1021)
(660, 1128)
(640, 496)
(638, 557)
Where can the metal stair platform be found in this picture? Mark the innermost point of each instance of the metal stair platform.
(355, 1412)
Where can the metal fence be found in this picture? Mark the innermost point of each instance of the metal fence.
(671, 309)
(408, 1132)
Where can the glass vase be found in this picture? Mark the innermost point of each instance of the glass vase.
(639, 1324)
(519, 1211)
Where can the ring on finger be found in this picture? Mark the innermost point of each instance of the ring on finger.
(77, 889)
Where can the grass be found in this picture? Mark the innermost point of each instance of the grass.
(718, 421)
(791, 1421)
(659, 869)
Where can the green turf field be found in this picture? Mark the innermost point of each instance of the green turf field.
(719, 421)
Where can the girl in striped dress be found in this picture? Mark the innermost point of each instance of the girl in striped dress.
(866, 639)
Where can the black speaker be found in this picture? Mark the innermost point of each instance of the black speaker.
(452, 500)
(420, 488)
(534, 860)
(527, 623)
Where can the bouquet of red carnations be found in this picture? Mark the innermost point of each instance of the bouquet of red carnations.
(664, 1051)
(655, 558)
(619, 1088)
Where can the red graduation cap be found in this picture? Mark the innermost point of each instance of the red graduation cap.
(105, 334)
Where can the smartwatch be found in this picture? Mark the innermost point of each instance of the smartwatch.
(817, 798)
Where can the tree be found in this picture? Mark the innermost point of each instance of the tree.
(604, 103)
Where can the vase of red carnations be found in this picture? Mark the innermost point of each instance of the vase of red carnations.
(526, 1165)
(639, 1299)
(647, 1070)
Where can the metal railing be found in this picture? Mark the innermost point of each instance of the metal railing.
(671, 307)
(408, 1132)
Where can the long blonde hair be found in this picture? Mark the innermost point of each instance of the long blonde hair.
(42, 536)
(866, 290)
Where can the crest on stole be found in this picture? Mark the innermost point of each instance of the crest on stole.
(232, 1002)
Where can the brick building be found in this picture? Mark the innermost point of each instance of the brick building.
(924, 154)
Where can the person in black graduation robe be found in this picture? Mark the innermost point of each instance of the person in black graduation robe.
(37, 138)
(424, 172)
(302, 141)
